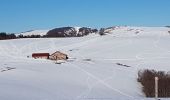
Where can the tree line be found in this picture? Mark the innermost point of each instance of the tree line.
(5, 36)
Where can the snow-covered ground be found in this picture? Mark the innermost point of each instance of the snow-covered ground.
(91, 73)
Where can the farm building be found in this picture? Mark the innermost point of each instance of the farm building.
(58, 56)
(41, 55)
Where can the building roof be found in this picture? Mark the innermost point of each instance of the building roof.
(40, 54)
(59, 53)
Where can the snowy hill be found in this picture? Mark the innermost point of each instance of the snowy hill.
(93, 71)
(61, 32)
(33, 32)
(70, 32)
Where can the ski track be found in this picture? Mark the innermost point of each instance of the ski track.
(103, 82)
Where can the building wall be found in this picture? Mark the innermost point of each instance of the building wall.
(44, 57)
(58, 56)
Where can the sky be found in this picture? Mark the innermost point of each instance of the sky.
(23, 15)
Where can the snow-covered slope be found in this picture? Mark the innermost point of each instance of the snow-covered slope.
(34, 32)
(91, 73)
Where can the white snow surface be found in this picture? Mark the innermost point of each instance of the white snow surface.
(91, 73)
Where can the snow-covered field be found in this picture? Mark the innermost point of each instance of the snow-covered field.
(91, 73)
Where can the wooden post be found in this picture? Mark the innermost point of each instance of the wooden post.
(156, 88)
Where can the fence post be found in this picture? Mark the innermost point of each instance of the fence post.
(156, 88)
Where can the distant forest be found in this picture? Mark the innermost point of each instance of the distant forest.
(4, 36)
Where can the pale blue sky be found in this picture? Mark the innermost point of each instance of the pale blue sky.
(23, 15)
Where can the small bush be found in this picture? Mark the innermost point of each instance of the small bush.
(146, 78)
(102, 31)
(87, 59)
